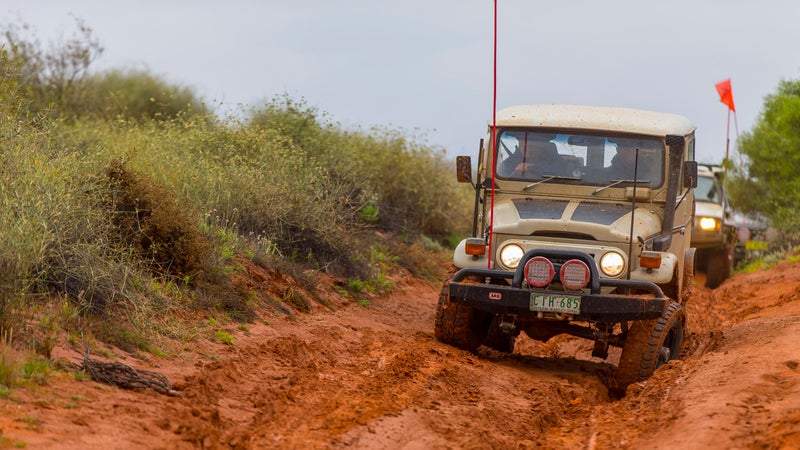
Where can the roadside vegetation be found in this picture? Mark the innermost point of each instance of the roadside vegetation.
(127, 205)
(767, 183)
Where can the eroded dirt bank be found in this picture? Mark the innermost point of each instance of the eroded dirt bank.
(374, 377)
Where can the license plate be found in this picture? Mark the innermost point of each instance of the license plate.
(556, 303)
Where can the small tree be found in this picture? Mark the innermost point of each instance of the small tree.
(57, 76)
(769, 182)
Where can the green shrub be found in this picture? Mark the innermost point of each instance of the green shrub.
(139, 95)
(410, 183)
(119, 193)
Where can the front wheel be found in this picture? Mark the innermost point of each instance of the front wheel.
(456, 324)
(649, 345)
(499, 340)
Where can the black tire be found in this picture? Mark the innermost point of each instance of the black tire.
(718, 268)
(496, 339)
(456, 324)
(649, 345)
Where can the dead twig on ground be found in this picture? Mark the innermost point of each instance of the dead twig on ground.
(126, 377)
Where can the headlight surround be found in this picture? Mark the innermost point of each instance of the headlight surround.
(510, 255)
(612, 264)
(708, 223)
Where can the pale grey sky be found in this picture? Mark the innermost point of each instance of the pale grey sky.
(426, 66)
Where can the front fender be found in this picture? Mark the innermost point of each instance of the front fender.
(464, 261)
(662, 275)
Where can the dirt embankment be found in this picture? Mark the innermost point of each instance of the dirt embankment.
(375, 377)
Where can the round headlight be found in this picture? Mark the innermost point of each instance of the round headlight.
(707, 224)
(612, 264)
(510, 255)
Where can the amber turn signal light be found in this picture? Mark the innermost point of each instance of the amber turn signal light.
(650, 260)
(475, 247)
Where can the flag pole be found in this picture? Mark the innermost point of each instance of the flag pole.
(728, 137)
(736, 124)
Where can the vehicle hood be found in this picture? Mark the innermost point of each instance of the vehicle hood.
(708, 209)
(601, 221)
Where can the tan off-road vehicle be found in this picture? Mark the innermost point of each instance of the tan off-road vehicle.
(582, 225)
(714, 230)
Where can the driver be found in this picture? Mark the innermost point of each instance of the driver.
(535, 156)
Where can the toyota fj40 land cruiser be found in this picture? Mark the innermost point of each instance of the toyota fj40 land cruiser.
(714, 230)
(582, 224)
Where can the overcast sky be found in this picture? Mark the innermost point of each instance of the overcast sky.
(426, 66)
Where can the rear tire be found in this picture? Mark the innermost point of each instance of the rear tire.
(456, 324)
(649, 345)
(718, 267)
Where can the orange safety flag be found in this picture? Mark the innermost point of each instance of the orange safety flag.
(726, 93)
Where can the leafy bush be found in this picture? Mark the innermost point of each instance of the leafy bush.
(53, 80)
(57, 81)
(769, 183)
(408, 186)
(137, 94)
(149, 210)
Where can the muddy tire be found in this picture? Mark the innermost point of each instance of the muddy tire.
(496, 339)
(456, 324)
(649, 345)
(718, 268)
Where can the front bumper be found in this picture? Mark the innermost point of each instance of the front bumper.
(513, 299)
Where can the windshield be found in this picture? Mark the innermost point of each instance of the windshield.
(706, 190)
(588, 159)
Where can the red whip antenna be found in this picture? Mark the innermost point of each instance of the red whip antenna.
(494, 136)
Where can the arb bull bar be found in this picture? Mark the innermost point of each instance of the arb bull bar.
(499, 298)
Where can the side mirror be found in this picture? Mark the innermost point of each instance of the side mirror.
(464, 169)
(690, 174)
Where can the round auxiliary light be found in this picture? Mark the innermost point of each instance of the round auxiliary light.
(574, 274)
(510, 255)
(612, 264)
(539, 271)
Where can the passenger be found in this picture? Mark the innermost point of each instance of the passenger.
(624, 164)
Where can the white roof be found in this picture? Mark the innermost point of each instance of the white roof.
(704, 170)
(601, 118)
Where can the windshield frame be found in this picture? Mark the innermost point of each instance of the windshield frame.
(578, 157)
(706, 185)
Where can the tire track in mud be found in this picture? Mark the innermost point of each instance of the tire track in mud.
(376, 378)
(737, 385)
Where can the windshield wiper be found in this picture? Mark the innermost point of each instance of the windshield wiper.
(616, 182)
(546, 178)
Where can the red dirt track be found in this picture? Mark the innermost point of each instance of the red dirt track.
(374, 377)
